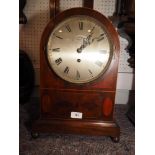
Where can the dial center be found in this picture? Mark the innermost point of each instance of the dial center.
(78, 60)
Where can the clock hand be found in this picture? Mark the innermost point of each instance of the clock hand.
(86, 42)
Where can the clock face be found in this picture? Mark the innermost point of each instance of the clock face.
(79, 49)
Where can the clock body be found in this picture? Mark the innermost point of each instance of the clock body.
(79, 54)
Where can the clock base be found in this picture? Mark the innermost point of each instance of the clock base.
(86, 127)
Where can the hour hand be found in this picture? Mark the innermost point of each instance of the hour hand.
(79, 50)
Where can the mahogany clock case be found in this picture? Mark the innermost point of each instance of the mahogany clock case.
(95, 100)
(107, 81)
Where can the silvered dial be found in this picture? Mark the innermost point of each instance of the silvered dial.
(79, 49)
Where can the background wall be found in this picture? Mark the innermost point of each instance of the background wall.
(37, 13)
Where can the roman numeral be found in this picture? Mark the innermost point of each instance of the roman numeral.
(99, 63)
(81, 25)
(68, 28)
(58, 61)
(66, 70)
(59, 37)
(90, 72)
(56, 49)
(92, 29)
(101, 37)
(77, 75)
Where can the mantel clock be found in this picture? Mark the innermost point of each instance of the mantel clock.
(79, 53)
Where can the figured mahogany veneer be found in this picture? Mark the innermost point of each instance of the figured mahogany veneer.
(93, 105)
(95, 100)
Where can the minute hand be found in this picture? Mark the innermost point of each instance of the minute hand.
(86, 42)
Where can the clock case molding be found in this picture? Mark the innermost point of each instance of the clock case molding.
(95, 100)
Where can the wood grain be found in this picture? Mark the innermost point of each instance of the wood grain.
(95, 99)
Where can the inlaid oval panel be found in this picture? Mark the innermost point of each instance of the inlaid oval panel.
(46, 106)
(107, 106)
